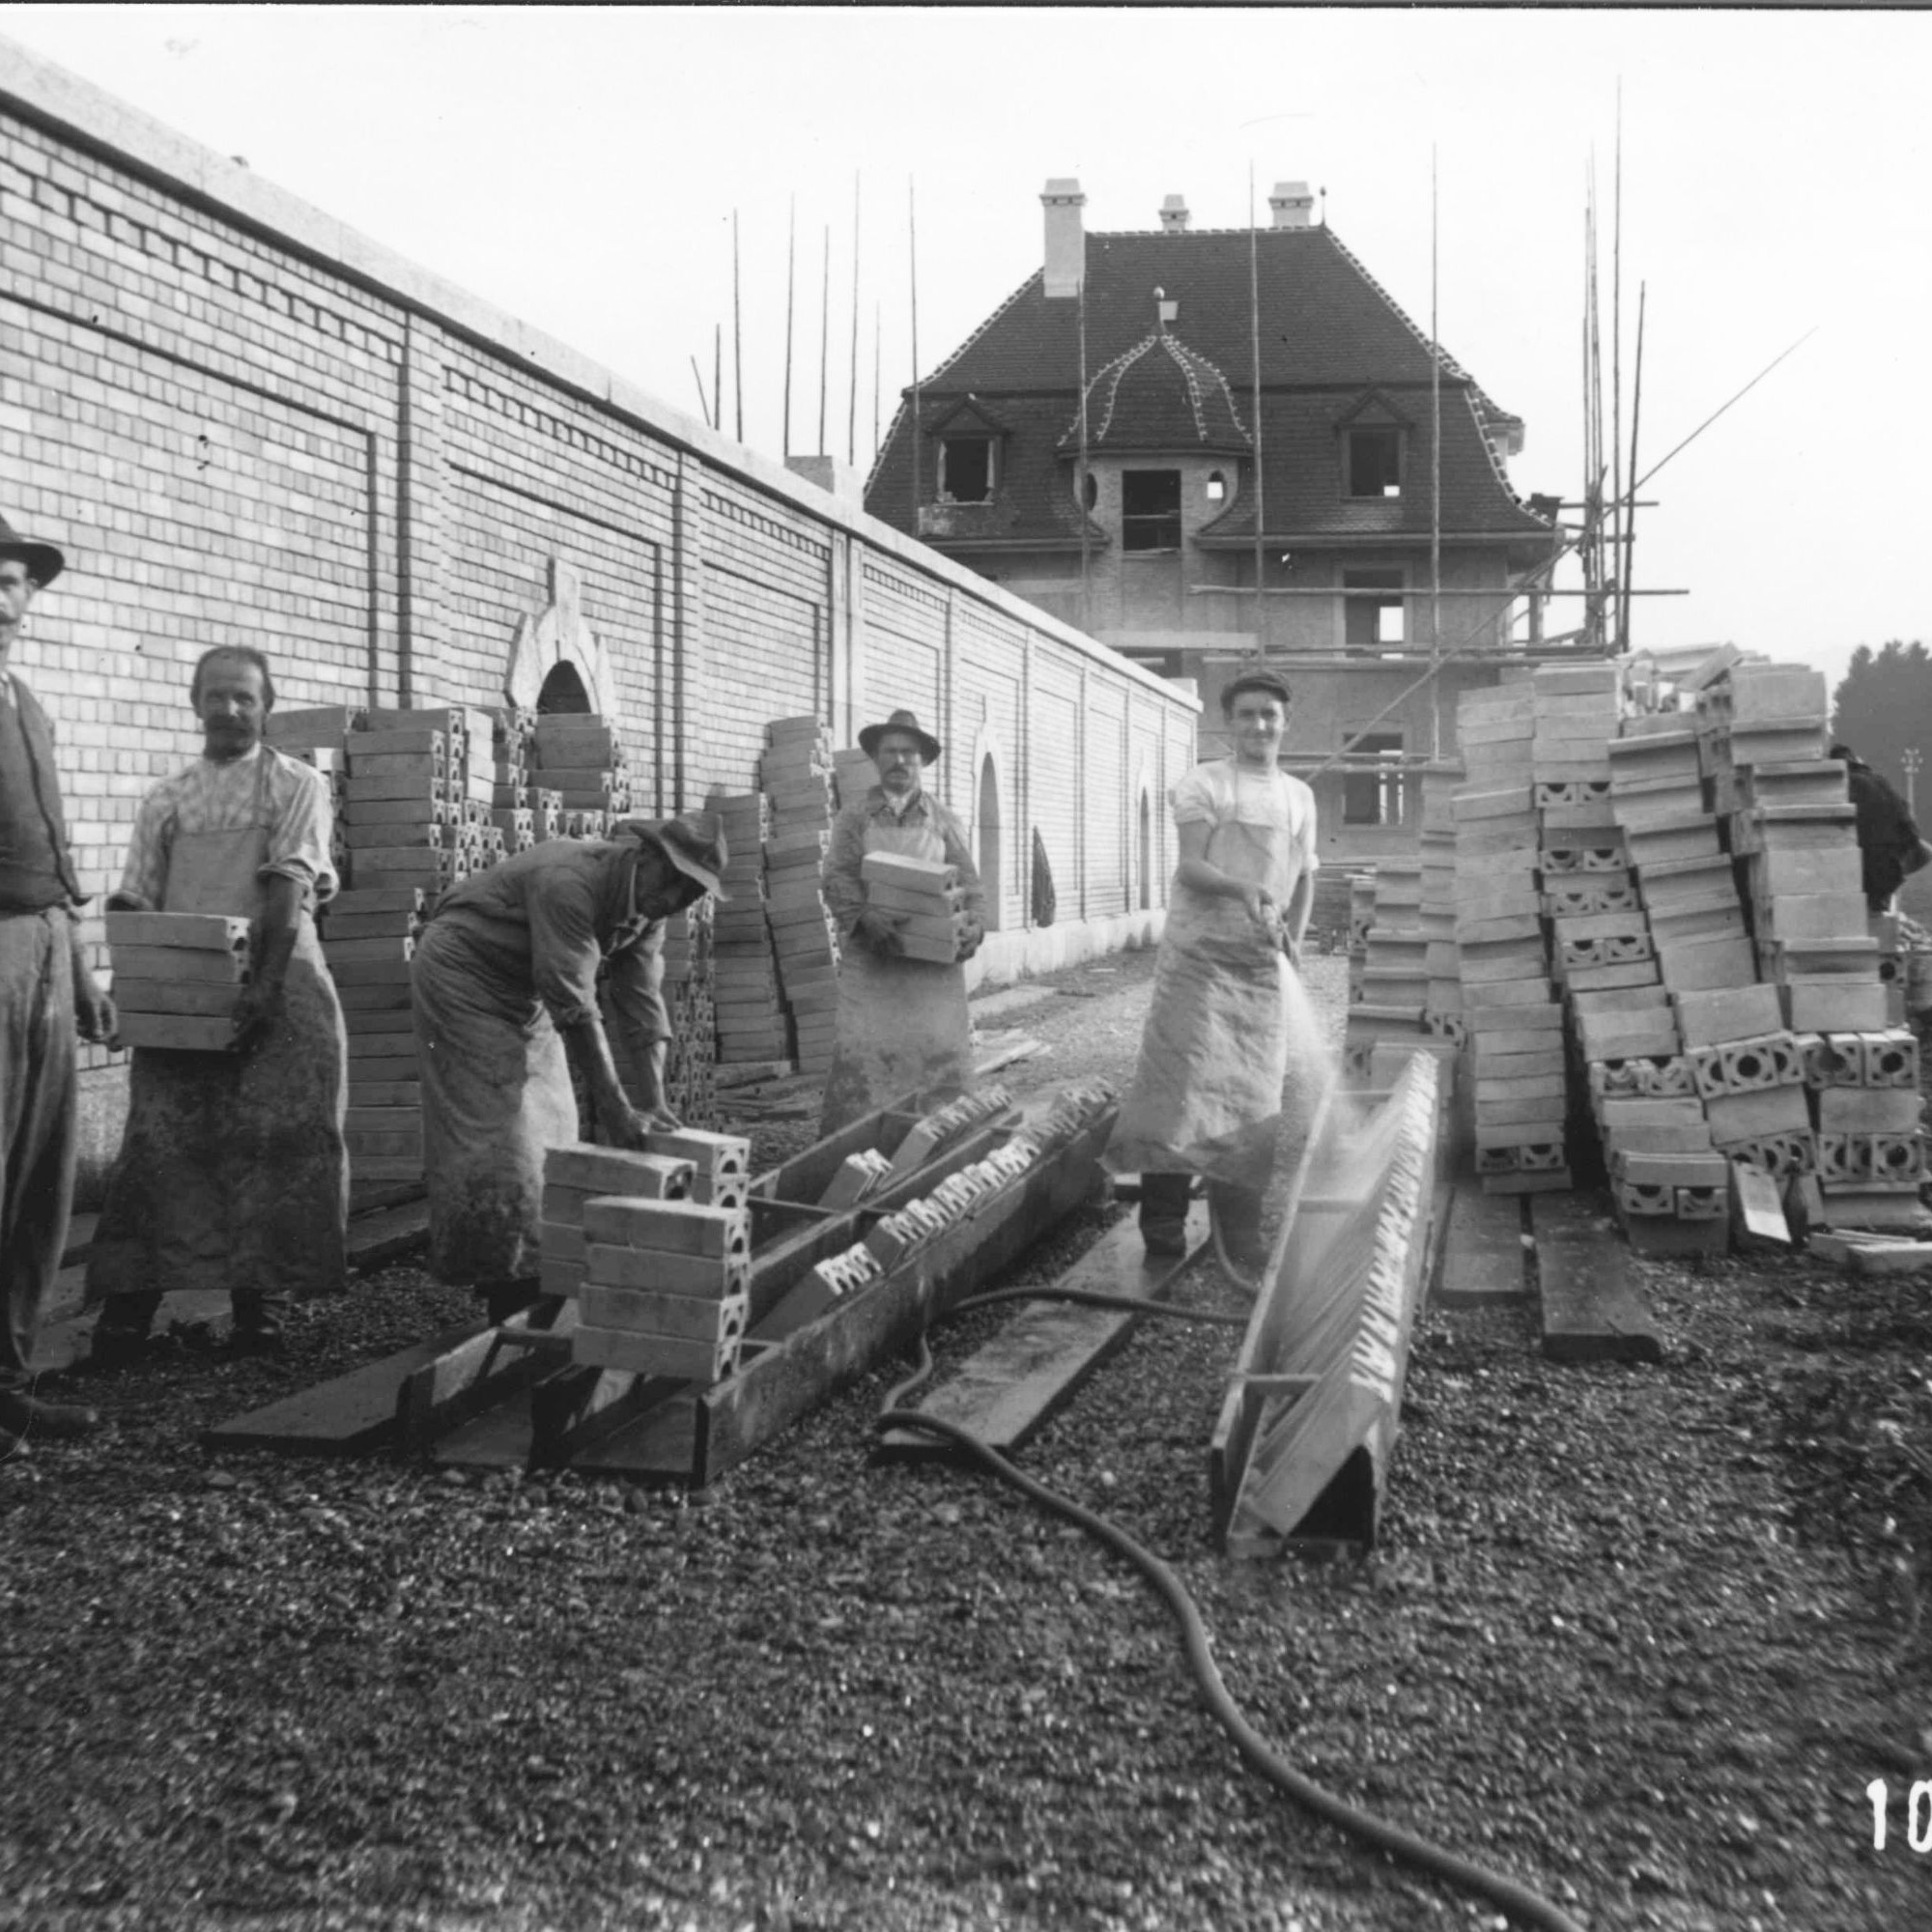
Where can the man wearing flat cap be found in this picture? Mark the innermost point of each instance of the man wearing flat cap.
(506, 984)
(46, 992)
(903, 1022)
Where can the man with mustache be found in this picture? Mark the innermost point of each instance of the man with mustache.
(233, 1172)
(45, 991)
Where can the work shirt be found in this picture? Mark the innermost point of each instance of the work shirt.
(844, 886)
(227, 795)
(1887, 833)
(36, 870)
(1226, 792)
(560, 917)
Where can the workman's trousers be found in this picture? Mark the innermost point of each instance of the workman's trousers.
(128, 1317)
(38, 1096)
(1164, 1212)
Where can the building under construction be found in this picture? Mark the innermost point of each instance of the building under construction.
(1159, 421)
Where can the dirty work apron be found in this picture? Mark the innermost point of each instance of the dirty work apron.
(902, 1023)
(232, 1173)
(1207, 1091)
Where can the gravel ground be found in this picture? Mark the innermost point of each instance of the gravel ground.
(1638, 1636)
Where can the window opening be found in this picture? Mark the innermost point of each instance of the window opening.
(1151, 509)
(966, 468)
(1371, 792)
(1092, 489)
(1217, 487)
(1373, 621)
(1375, 462)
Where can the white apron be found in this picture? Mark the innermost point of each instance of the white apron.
(233, 1173)
(1207, 1091)
(902, 1023)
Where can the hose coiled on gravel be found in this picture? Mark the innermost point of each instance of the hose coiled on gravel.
(1529, 1907)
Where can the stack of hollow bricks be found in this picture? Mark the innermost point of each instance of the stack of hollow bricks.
(581, 777)
(1390, 987)
(1510, 1009)
(655, 1247)
(749, 1012)
(1854, 1121)
(795, 774)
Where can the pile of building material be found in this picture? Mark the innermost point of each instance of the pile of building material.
(177, 977)
(580, 759)
(1442, 1009)
(513, 809)
(576, 1175)
(664, 1287)
(745, 971)
(925, 900)
(690, 1084)
(796, 774)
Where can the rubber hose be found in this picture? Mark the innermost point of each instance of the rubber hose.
(1527, 1906)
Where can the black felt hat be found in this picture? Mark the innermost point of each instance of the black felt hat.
(43, 561)
(694, 845)
(900, 720)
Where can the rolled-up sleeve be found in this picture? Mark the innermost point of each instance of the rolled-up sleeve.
(144, 879)
(299, 834)
(844, 890)
(633, 981)
(562, 908)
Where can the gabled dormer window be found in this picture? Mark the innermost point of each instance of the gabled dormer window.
(1372, 461)
(968, 468)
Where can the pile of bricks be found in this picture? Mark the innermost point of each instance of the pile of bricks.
(925, 900)
(1509, 1007)
(1442, 1009)
(1389, 983)
(177, 977)
(749, 1010)
(513, 809)
(580, 758)
(691, 1060)
(796, 772)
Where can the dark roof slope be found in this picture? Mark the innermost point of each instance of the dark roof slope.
(1159, 396)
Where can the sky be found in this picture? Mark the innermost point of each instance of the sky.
(581, 169)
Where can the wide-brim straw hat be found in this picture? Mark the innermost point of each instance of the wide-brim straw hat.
(900, 720)
(694, 845)
(43, 561)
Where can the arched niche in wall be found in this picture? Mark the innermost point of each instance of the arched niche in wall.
(989, 827)
(556, 661)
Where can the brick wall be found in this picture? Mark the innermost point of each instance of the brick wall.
(242, 423)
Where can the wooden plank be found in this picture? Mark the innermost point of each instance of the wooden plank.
(385, 1235)
(475, 1374)
(1482, 1250)
(1029, 1371)
(659, 1446)
(498, 1438)
(1592, 1311)
(352, 1416)
(771, 1392)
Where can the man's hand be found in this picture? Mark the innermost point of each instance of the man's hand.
(94, 1016)
(1262, 910)
(972, 933)
(258, 1004)
(880, 931)
(627, 1127)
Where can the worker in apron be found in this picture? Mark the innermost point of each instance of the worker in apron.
(232, 1173)
(1215, 1051)
(902, 1023)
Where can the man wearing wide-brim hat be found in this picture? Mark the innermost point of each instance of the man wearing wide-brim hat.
(903, 1021)
(507, 980)
(46, 992)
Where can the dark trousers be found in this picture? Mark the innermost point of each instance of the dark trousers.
(38, 1096)
(128, 1316)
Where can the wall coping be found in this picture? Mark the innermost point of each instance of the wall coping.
(38, 91)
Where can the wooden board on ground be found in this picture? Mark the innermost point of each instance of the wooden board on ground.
(1481, 1249)
(499, 1438)
(388, 1234)
(1029, 1371)
(352, 1416)
(477, 1374)
(1592, 1311)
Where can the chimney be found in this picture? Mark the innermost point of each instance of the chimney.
(1174, 215)
(1066, 238)
(1293, 205)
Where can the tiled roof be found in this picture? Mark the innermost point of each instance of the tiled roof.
(1159, 396)
(1328, 334)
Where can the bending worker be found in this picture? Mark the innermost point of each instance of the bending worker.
(506, 981)
(1207, 1091)
(46, 992)
(233, 1172)
(902, 1023)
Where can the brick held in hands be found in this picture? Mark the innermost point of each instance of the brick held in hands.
(648, 1175)
(181, 964)
(892, 868)
(187, 997)
(176, 1032)
(720, 1156)
(194, 931)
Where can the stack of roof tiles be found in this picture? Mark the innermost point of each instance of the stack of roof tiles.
(796, 772)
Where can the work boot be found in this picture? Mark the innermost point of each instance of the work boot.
(258, 1324)
(1237, 1213)
(121, 1339)
(1164, 1212)
(23, 1415)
